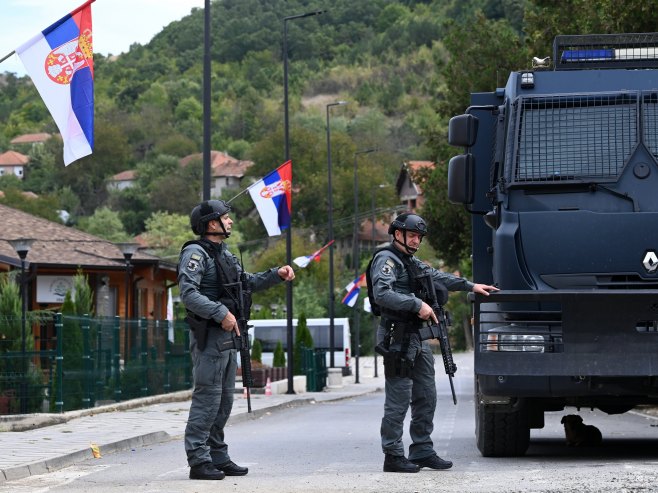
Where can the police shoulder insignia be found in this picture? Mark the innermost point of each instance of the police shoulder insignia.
(192, 265)
(387, 268)
(195, 256)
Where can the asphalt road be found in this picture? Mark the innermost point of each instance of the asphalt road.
(334, 447)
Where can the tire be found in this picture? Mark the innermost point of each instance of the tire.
(501, 433)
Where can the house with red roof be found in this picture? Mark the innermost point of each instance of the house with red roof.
(122, 180)
(27, 141)
(226, 171)
(13, 163)
(407, 184)
(56, 254)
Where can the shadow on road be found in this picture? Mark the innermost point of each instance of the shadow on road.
(610, 449)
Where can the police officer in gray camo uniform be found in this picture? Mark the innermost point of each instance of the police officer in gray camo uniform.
(205, 268)
(408, 361)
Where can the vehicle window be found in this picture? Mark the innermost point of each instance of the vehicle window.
(574, 137)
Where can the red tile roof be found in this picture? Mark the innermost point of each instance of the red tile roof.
(13, 158)
(418, 165)
(127, 175)
(59, 245)
(30, 138)
(221, 164)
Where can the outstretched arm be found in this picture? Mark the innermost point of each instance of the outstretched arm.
(286, 273)
(483, 289)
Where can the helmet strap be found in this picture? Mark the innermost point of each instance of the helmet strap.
(410, 250)
(217, 233)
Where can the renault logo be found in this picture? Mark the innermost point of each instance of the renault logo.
(650, 261)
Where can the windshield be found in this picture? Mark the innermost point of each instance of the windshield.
(575, 137)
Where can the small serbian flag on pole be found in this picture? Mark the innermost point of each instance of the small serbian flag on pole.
(273, 198)
(353, 290)
(60, 62)
(305, 260)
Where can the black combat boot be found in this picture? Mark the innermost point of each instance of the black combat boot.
(433, 462)
(230, 468)
(399, 463)
(205, 471)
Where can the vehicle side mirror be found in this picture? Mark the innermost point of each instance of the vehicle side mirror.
(460, 179)
(462, 130)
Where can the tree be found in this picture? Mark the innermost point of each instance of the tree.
(479, 61)
(166, 233)
(545, 19)
(104, 223)
(87, 176)
(11, 340)
(279, 360)
(303, 340)
(257, 351)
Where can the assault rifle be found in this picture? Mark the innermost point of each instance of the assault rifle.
(438, 330)
(244, 312)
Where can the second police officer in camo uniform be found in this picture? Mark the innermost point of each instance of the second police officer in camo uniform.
(205, 269)
(408, 361)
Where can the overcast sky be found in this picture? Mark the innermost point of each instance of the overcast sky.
(116, 23)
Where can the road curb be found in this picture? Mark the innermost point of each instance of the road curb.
(26, 422)
(66, 460)
(56, 463)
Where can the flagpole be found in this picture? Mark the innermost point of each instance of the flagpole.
(206, 95)
(7, 56)
(252, 186)
(289, 335)
(289, 332)
(238, 195)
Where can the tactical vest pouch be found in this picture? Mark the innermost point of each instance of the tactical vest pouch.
(428, 331)
(396, 365)
(200, 327)
(399, 329)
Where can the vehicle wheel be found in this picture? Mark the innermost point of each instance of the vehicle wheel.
(501, 433)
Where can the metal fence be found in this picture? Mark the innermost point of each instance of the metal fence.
(81, 362)
(314, 366)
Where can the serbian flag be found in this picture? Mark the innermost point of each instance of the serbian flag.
(353, 290)
(60, 62)
(273, 198)
(305, 260)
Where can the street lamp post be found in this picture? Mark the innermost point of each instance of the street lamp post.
(22, 247)
(286, 131)
(372, 206)
(355, 255)
(128, 250)
(330, 235)
(207, 64)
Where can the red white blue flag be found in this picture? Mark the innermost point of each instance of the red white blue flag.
(353, 290)
(60, 62)
(306, 259)
(273, 198)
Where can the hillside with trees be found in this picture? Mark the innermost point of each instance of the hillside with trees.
(405, 67)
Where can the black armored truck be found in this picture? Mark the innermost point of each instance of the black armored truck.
(560, 175)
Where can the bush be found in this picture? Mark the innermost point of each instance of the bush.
(279, 356)
(303, 339)
(257, 351)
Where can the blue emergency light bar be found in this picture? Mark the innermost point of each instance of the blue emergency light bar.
(587, 55)
(637, 50)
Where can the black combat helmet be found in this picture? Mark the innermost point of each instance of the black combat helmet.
(205, 212)
(408, 221)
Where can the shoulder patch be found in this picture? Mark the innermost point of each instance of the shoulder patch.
(192, 265)
(195, 256)
(388, 267)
